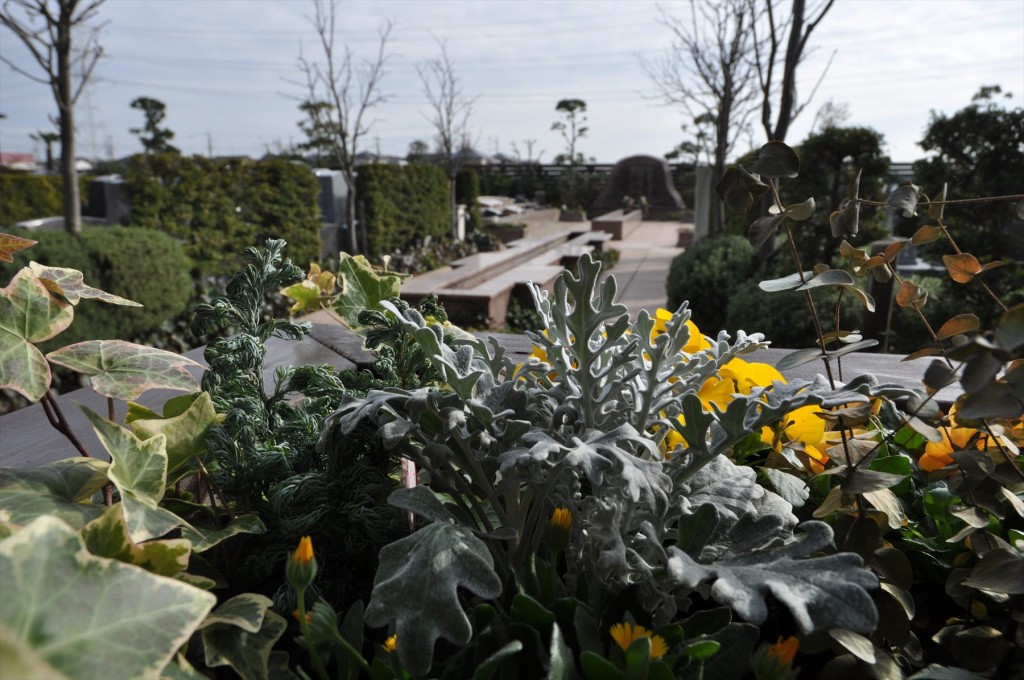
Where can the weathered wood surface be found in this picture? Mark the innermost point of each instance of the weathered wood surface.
(26, 438)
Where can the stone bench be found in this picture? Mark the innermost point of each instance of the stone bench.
(618, 223)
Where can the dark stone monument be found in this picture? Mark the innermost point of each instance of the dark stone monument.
(636, 179)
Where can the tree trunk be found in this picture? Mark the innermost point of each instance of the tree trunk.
(787, 101)
(69, 175)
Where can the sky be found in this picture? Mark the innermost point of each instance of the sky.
(227, 71)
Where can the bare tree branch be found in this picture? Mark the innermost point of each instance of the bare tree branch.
(52, 47)
(351, 91)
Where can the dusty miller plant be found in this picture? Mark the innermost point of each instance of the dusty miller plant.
(501, 445)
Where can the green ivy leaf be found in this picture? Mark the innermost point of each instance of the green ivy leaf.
(28, 314)
(139, 470)
(416, 588)
(62, 489)
(186, 432)
(56, 595)
(246, 652)
(204, 537)
(124, 370)
(107, 536)
(362, 287)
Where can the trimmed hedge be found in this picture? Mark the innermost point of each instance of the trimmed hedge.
(143, 265)
(217, 208)
(708, 274)
(29, 197)
(467, 192)
(401, 205)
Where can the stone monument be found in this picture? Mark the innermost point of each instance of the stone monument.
(635, 180)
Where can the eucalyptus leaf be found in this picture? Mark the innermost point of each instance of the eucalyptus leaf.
(904, 199)
(798, 212)
(54, 592)
(831, 277)
(790, 282)
(776, 159)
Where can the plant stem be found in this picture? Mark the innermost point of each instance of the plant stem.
(110, 410)
(318, 663)
(956, 201)
(56, 417)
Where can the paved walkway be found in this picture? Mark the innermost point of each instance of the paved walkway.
(644, 260)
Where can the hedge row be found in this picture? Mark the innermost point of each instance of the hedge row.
(401, 205)
(139, 264)
(27, 197)
(219, 207)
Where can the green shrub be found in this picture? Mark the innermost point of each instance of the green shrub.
(707, 275)
(140, 264)
(401, 205)
(217, 208)
(28, 197)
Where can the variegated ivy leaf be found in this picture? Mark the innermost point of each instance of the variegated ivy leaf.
(246, 652)
(10, 244)
(204, 537)
(362, 287)
(71, 284)
(89, 617)
(245, 611)
(416, 589)
(123, 370)
(185, 432)
(139, 471)
(62, 489)
(107, 536)
(820, 592)
(28, 314)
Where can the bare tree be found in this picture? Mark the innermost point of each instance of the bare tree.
(48, 28)
(769, 34)
(708, 71)
(352, 90)
(450, 112)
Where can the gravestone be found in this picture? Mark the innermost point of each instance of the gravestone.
(108, 200)
(332, 201)
(637, 178)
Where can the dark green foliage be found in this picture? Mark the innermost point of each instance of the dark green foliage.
(467, 192)
(140, 264)
(829, 161)
(707, 275)
(401, 361)
(219, 207)
(28, 197)
(264, 454)
(402, 204)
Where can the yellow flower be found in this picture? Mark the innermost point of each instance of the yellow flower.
(938, 454)
(624, 634)
(296, 615)
(804, 426)
(304, 553)
(391, 644)
(736, 377)
(785, 650)
(561, 518)
(696, 343)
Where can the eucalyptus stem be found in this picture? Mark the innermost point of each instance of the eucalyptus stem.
(956, 248)
(955, 201)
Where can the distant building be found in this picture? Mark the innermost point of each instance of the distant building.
(18, 162)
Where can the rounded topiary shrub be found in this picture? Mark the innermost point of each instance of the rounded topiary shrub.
(143, 265)
(784, 317)
(707, 275)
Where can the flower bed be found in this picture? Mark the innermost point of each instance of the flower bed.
(635, 500)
